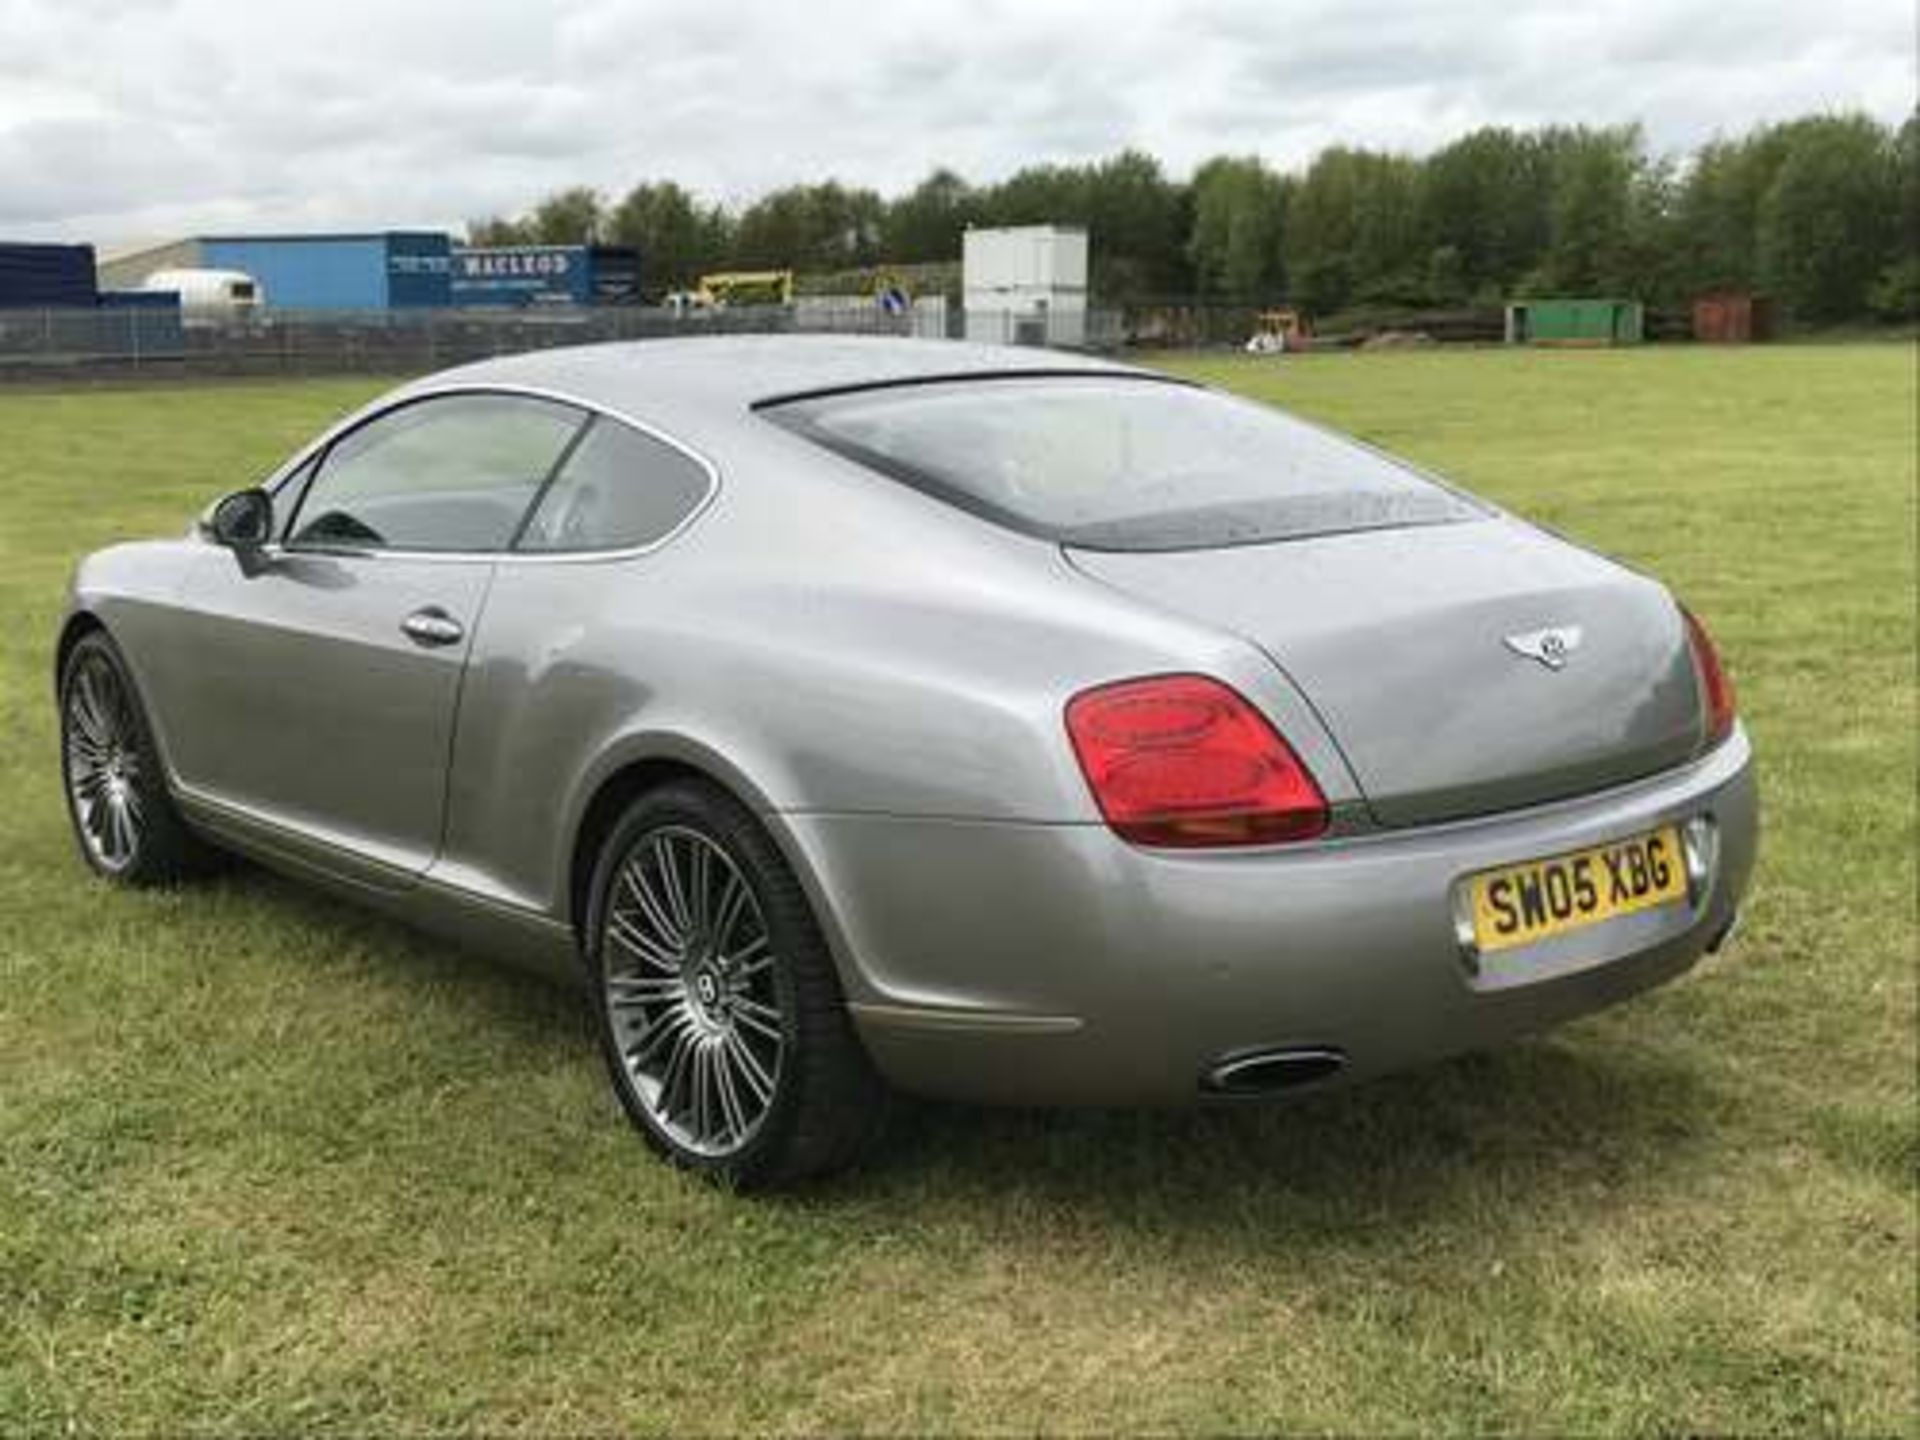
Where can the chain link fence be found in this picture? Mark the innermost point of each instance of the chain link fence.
(109, 341)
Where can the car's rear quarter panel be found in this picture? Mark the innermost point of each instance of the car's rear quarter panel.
(832, 644)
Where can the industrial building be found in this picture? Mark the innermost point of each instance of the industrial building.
(1025, 285)
(47, 277)
(545, 275)
(377, 270)
(74, 317)
(393, 270)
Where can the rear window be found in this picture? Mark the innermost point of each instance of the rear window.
(1116, 463)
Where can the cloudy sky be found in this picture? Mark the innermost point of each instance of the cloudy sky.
(135, 119)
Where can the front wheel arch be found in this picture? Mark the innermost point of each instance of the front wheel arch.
(157, 846)
(79, 624)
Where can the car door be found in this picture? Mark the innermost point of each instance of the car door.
(571, 647)
(318, 686)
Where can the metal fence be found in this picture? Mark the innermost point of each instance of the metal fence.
(109, 341)
(105, 335)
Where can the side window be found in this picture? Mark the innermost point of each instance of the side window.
(286, 497)
(454, 473)
(618, 489)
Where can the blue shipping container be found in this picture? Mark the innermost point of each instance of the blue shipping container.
(140, 300)
(546, 275)
(149, 325)
(46, 277)
(393, 269)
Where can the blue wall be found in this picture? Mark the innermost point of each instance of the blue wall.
(338, 272)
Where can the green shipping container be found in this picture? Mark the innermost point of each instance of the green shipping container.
(1574, 322)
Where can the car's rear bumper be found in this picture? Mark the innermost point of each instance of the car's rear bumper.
(1057, 964)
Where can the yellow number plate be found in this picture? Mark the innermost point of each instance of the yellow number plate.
(1520, 904)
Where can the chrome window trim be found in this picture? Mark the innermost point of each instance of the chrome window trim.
(519, 557)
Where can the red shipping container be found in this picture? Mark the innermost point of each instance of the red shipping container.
(1730, 318)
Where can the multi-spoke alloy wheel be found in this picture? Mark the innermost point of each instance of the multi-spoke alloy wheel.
(688, 970)
(721, 1014)
(117, 797)
(103, 762)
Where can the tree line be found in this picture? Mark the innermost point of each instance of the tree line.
(1820, 213)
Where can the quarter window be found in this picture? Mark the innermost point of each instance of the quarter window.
(453, 473)
(617, 490)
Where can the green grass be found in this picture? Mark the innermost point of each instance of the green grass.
(267, 1163)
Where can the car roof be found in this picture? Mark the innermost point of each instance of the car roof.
(693, 378)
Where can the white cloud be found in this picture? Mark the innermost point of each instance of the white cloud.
(152, 117)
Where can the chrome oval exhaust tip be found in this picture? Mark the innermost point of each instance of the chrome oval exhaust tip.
(1268, 1072)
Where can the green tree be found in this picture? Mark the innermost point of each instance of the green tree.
(1896, 293)
(1037, 195)
(1487, 199)
(1718, 208)
(678, 238)
(927, 222)
(1906, 161)
(1590, 232)
(810, 227)
(568, 217)
(1446, 278)
(1389, 260)
(1239, 226)
(1136, 219)
(1656, 267)
(1824, 211)
(1137, 222)
(498, 230)
(1353, 232)
(1828, 224)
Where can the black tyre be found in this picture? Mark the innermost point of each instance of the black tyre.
(721, 1017)
(123, 816)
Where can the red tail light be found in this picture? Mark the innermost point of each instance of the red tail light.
(1716, 690)
(1184, 760)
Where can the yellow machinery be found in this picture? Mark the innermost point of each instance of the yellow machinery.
(745, 287)
(1279, 331)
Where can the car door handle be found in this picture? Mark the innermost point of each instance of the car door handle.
(432, 626)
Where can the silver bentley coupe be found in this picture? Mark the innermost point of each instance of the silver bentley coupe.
(852, 715)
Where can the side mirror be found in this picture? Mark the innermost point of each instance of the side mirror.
(242, 521)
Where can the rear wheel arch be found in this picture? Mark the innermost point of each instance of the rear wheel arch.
(664, 764)
(602, 812)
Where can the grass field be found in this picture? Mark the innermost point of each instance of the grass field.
(268, 1164)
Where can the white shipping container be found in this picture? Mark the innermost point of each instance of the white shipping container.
(1025, 284)
(1025, 257)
